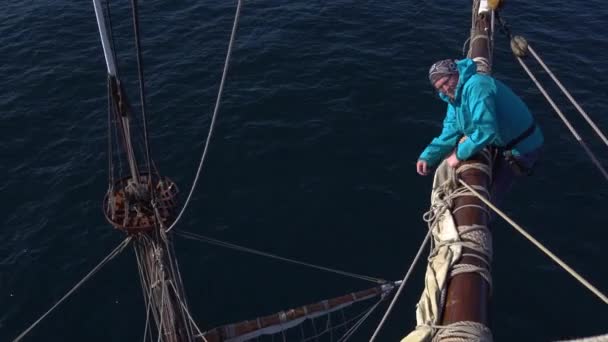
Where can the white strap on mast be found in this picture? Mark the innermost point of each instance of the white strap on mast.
(483, 7)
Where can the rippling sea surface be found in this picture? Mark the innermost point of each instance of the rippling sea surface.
(325, 110)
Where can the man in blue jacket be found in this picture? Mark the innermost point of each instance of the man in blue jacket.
(482, 111)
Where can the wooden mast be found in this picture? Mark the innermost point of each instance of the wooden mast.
(142, 205)
(468, 293)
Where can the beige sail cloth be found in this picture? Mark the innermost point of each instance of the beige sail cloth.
(445, 254)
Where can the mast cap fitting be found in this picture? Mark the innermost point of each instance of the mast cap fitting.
(495, 4)
(519, 46)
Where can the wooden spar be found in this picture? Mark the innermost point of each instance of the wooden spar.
(468, 293)
(292, 317)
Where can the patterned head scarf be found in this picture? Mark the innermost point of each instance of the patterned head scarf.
(442, 68)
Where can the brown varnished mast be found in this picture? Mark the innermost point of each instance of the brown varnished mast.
(468, 293)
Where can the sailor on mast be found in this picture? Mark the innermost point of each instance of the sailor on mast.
(482, 111)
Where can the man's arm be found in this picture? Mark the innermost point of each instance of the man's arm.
(445, 142)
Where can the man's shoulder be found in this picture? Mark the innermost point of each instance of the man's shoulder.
(481, 79)
(480, 84)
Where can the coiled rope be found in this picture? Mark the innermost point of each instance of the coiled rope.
(463, 331)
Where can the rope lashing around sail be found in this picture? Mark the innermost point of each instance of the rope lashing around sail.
(463, 331)
(214, 116)
(116, 251)
(228, 245)
(474, 237)
(539, 245)
(450, 244)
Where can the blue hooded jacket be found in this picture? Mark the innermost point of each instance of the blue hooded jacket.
(487, 112)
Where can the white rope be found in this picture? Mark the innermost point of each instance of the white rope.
(463, 331)
(104, 261)
(564, 119)
(356, 326)
(187, 312)
(569, 96)
(147, 294)
(209, 240)
(539, 245)
(398, 293)
(148, 309)
(163, 292)
(470, 268)
(176, 280)
(213, 118)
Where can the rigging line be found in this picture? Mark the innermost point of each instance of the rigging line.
(214, 117)
(564, 119)
(111, 36)
(175, 274)
(317, 334)
(148, 309)
(142, 91)
(569, 96)
(147, 274)
(149, 281)
(179, 299)
(110, 164)
(145, 279)
(507, 31)
(398, 293)
(117, 137)
(202, 238)
(172, 261)
(109, 257)
(163, 293)
(331, 332)
(356, 326)
(540, 246)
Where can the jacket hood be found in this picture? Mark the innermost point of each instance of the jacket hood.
(466, 69)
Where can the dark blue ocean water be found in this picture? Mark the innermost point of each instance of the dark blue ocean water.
(325, 110)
